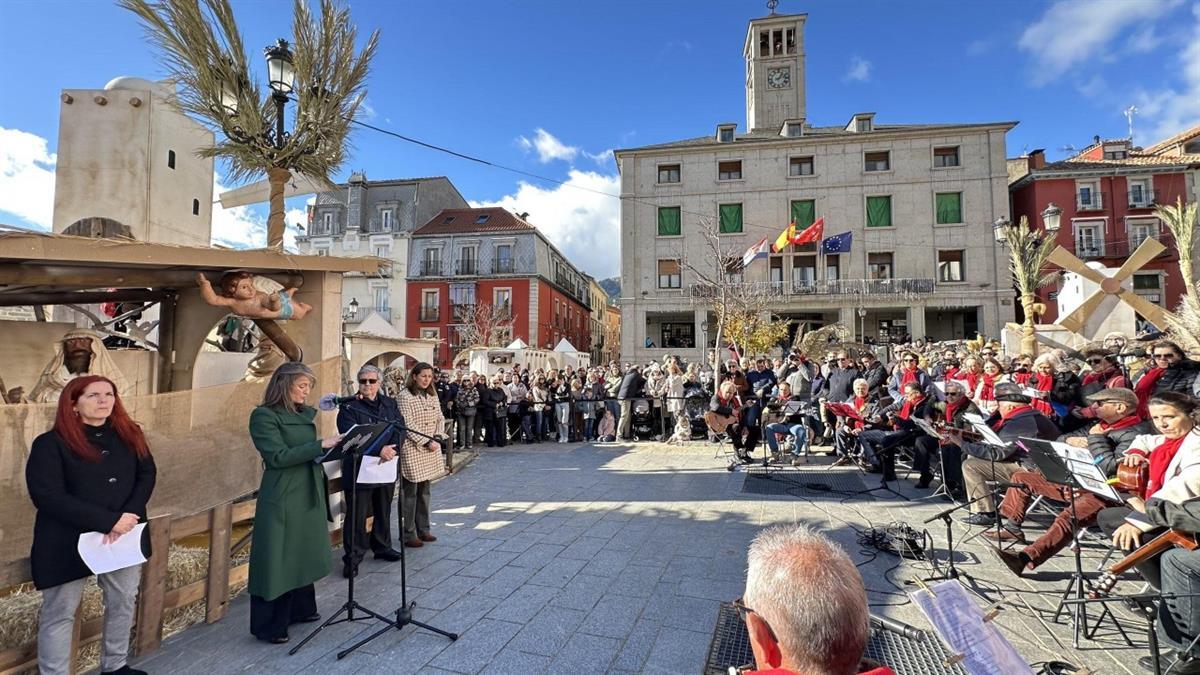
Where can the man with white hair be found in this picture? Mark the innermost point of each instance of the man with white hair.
(805, 605)
(79, 352)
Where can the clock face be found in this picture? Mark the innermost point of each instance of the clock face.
(779, 78)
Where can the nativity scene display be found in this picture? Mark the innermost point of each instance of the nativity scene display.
(241, 293)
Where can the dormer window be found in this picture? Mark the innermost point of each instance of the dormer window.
(793, 128)
(725, 133)
(861, 123)
(448, 220)
(481, 219)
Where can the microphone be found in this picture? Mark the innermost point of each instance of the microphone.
(332, 401)
(897, 627)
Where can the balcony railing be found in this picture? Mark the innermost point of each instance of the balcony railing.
(1123, 248)
(431, 268)
(1142, 199)
(1093, 201)
(429, 313)
(462, 311)
(363, 312)
(376, 226)
(468, 267)
(502, 266)
(835, 287)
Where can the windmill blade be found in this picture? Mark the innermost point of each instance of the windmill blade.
(1066, 260)
(1075, 321)
(1145, 252)
(1149, 311)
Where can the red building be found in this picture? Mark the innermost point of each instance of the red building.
(1107, 193)
(463, 259)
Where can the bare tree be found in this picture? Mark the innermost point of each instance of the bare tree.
(484, 325)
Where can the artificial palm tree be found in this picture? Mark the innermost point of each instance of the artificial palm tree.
(206, 59)
(1028, 251)
(1184, 323)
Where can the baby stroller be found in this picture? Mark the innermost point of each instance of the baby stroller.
(695, 404)
(642, 422)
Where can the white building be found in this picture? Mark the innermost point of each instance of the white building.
(919, 201)
(126, 155)
(375, 218)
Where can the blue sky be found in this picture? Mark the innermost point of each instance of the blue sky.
(550, 87)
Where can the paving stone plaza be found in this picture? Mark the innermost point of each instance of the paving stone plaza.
(614, 559)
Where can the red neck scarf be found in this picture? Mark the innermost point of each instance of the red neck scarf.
(1145, 389)
(950, 373)
(1160, 459)
(907, 375)
(860, 404)
(988, 391)
(1123, 423)
(1022, 378)
(1043, 383)
(953, 408)
(971, 378)
(907, 409)
(1006, 416)
(1096, 377)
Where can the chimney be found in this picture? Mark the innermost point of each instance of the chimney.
(1096, 139)
(1037, 158)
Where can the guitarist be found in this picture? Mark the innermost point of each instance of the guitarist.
(726, 415)
(1174, 458)
(1118, 425)
(950, 414)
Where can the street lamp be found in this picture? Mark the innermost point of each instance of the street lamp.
(347, 316)
(1051, 217)
(1000, 229)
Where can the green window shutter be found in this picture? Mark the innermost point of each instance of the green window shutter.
(731, 218)
(879, 211)
(949, 208)
(804, 212)
(669, 221)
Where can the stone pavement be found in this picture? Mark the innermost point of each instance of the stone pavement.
(613, 559)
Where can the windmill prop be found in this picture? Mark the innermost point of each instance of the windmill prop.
(1111, 286)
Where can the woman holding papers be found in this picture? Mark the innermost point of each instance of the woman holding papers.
(91, 473)
(420, 457)
(290, 546)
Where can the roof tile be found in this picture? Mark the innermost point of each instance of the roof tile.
(463, 221)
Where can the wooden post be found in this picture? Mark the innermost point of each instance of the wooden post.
(221, 527)
(154, 586)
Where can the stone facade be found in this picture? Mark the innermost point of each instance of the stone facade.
(925, 264)
(375, 218)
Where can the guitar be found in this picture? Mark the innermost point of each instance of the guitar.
(719, 423)
(1133, 478)
(1146, 551)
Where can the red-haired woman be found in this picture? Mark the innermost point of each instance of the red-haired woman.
(91, 473)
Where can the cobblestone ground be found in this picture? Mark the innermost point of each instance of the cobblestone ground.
(613, 559)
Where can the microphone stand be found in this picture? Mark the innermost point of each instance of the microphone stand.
(1151, 616)
(404, 612)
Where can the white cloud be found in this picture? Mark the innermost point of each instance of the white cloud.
(859, 70)
(548, 147)
(602, 158)
(583, 224)
(27, 177)
(1072, 32)
(1168, 111)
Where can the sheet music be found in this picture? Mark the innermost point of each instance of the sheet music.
(959, 622)
(974, 419)
(791, 408)
(1073, 453)
(988, 435)
(374, 471)
(102, 558)
(927, 428)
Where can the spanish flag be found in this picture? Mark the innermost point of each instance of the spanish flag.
(785, 238)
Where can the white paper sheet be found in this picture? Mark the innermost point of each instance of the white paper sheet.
(927, 428)
(1083, 466)
(988, 435)
(974, 419)
(959, 622)
(102, 558)
(373, 471)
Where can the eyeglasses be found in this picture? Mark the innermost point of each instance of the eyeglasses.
(743, 610)
(953, 393)
(366, 381)
(1095, 361)
(843, 358)
(1169, 356)
(910, 360)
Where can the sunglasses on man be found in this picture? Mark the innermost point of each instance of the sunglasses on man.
(365, 380)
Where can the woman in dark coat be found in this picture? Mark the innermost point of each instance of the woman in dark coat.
(91, 473)
(290, 546)
(493, 408)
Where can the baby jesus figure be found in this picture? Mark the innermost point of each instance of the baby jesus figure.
(243, 299)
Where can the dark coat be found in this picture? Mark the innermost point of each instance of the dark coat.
(73, 495)
(365, 411)
(467, 400)
(1027, 423)
(921, 410)
(631, 385)
(493, 401)
(290, 546)
(1109, 448)
(876, 377)
(761, 382)
(937, 412)
(839, 385)
(1112, 378)
(1180, 377)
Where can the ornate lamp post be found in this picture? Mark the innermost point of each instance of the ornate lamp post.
(1028, 250)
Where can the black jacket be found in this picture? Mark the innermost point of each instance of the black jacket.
(73, 495)
(937, 413)
(921, 410)
(1027, 423)
(839, 385)
(1180, 377)
(1109, 448)
(876, 377)
(631, 385)
(1185, 516)
(365, 411)
(493, 402)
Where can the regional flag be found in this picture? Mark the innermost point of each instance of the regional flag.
(784, 238)
(838, 243)
(811, 234)
(759, 250)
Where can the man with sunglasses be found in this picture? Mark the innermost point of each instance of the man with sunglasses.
(952, 414)
(805, 606)
(1169, 370)
(838, 386)
(371, 406)
(909, 371)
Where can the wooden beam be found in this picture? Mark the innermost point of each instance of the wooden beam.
(148, 635)
(109, 277)
(80, 297)
(218, 562)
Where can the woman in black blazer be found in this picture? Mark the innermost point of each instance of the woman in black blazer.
(91, 473)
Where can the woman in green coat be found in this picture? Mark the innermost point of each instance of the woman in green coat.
(290, 547)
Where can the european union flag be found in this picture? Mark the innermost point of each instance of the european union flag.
(838, 243)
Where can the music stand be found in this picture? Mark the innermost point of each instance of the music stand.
(1056, 465)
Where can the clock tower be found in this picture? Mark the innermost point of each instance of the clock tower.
(774, 71)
